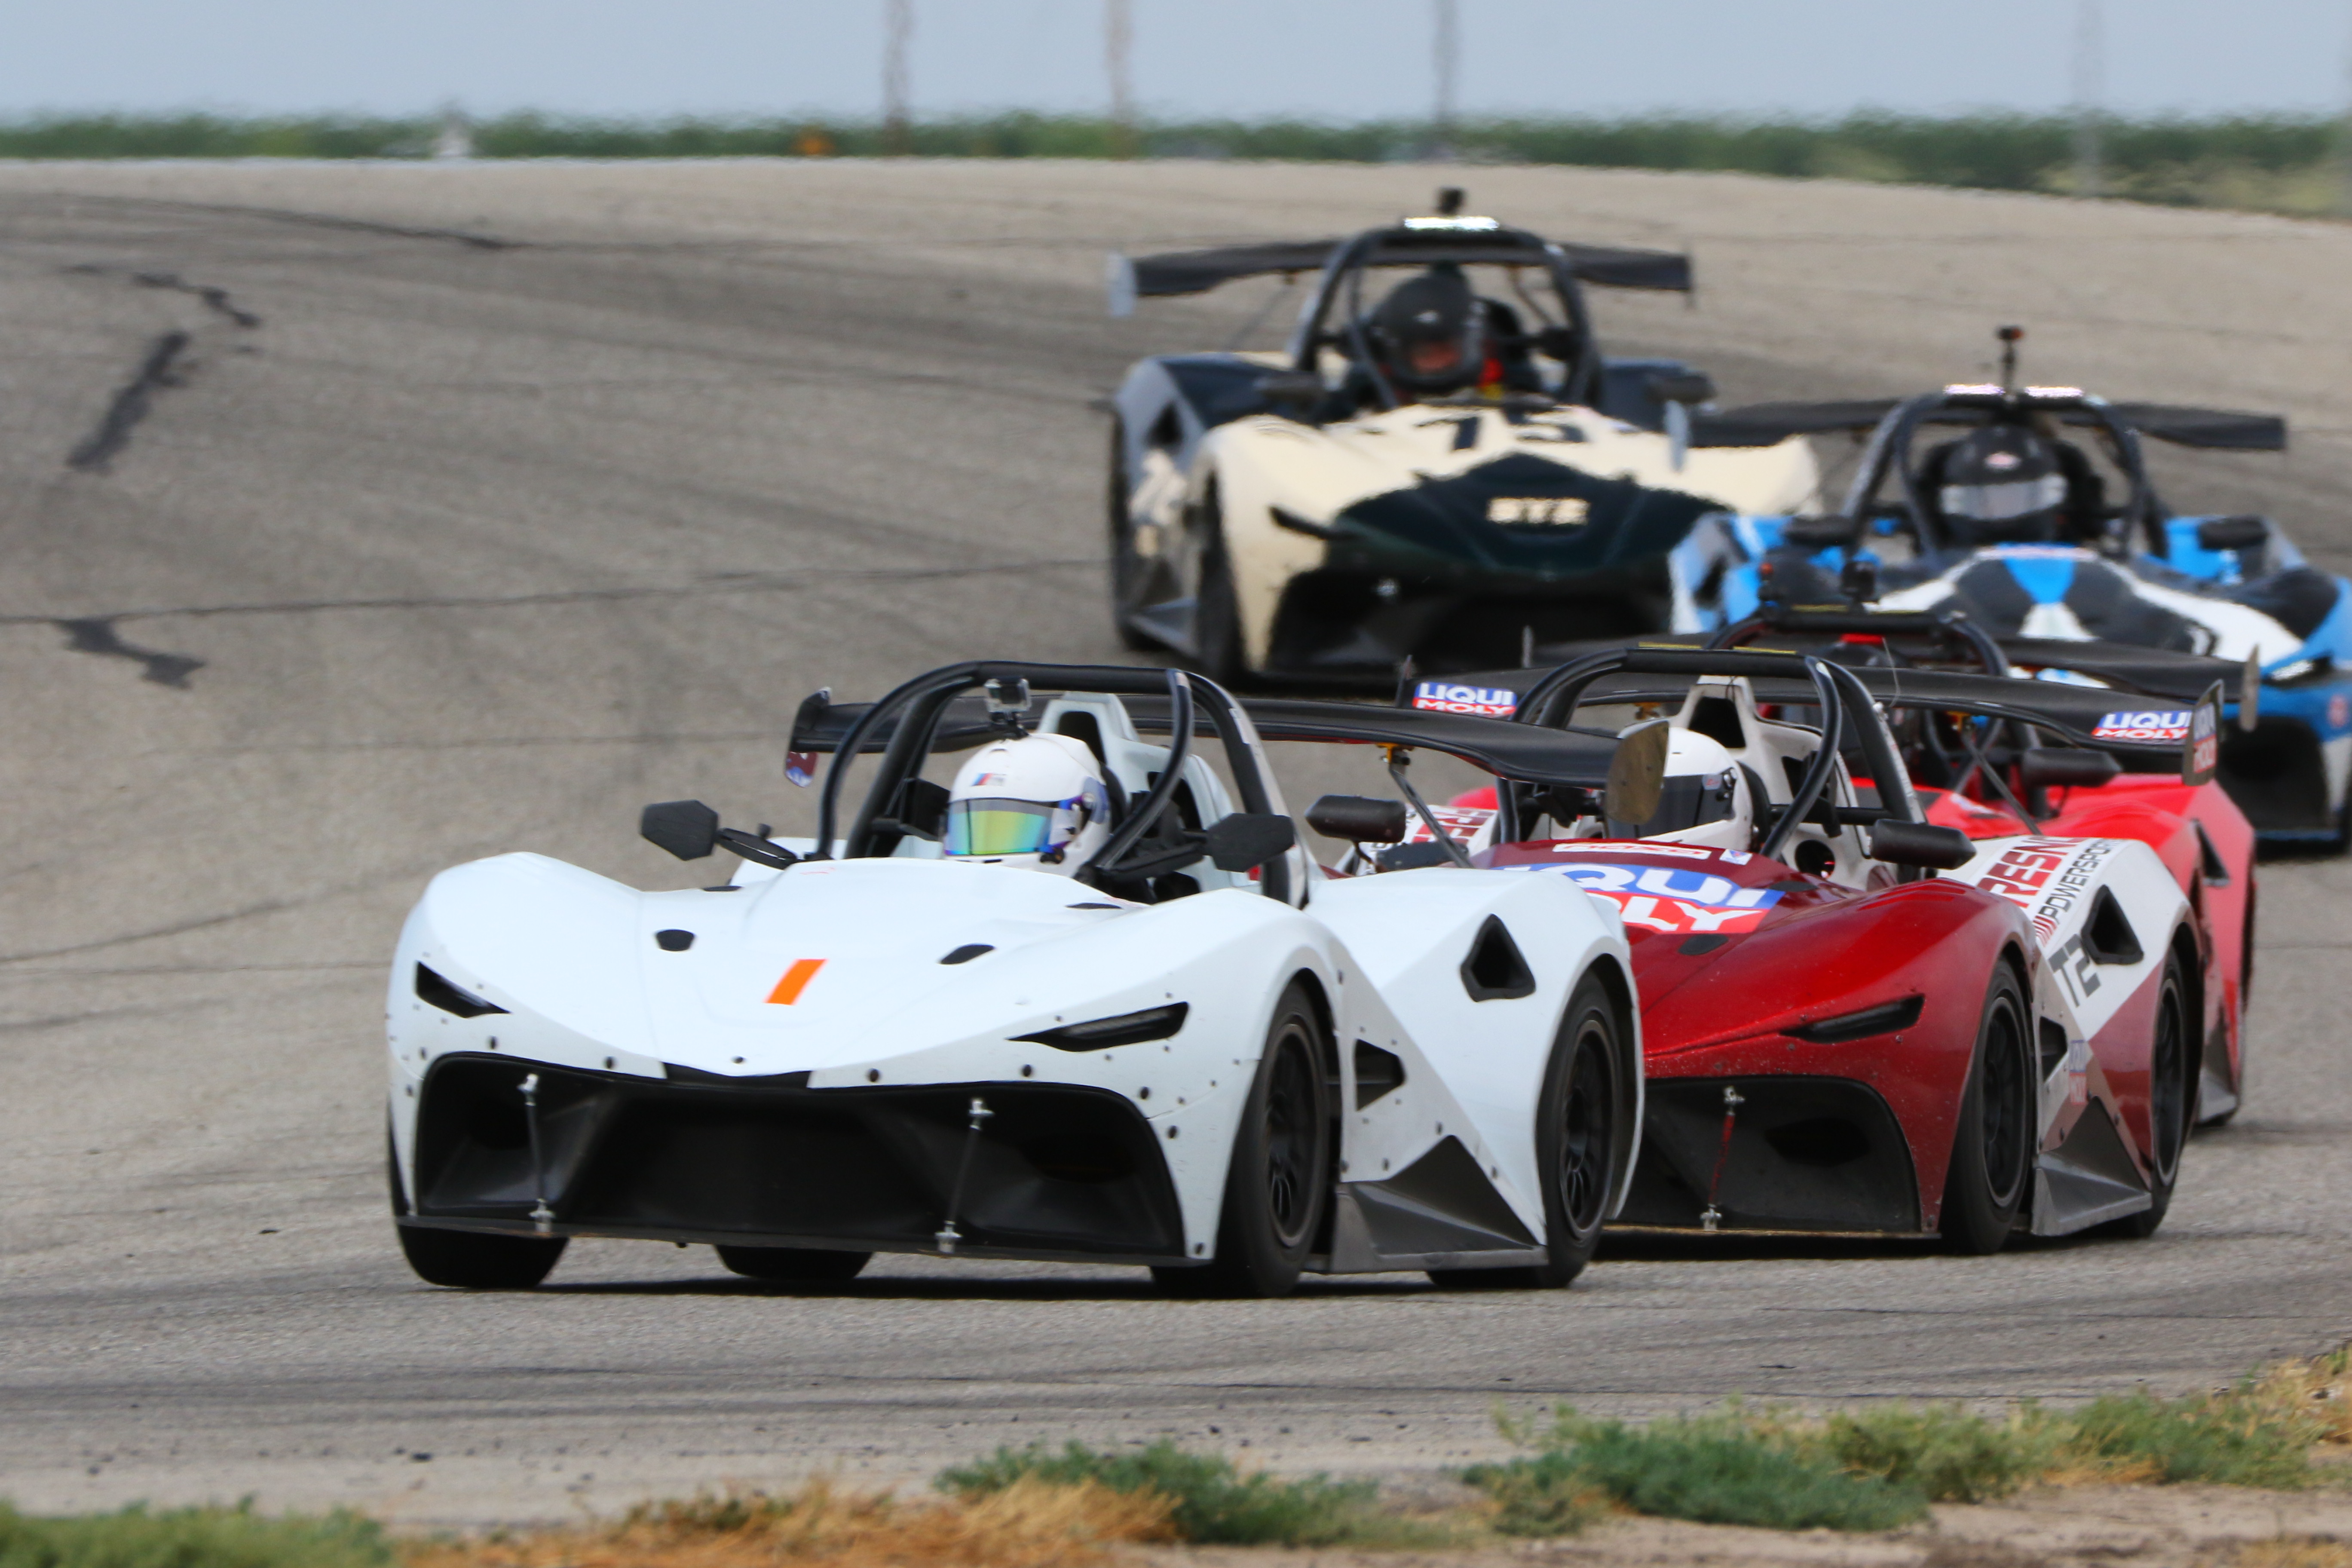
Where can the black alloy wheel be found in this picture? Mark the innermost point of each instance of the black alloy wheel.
(1278, 1185)
(2170, 1090)
(1576, 1147)
(794, 1265)
(1129, 574)
(478, 1260)
(1993, 1143)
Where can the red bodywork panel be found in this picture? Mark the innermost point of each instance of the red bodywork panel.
(1730, 953)
(2202, 838)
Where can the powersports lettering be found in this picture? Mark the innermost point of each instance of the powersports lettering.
(1445, 697)
(2047, 878)
(1673, 897)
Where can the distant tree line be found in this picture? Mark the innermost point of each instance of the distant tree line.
(2278, 162)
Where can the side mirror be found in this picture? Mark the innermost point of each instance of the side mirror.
(1920, 843)
(1637, 773)
(2240, 532)
(2049, 767)
(1557, 342)
(1820, 533)
(687, 828)
(1358, 819)
(1292, 388)
(1689, 389)
(1248, 839)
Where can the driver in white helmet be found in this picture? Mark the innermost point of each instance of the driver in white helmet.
(1706, 799)
(1037, 802)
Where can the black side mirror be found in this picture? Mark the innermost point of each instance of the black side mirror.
(2058, 767)
(1358, 819)
(1920, 843)
(687, 828)
(1248, 839)
(1292, 388)
(1820, 533)
(1690, 389)
(1558, 342)
(2240, 532)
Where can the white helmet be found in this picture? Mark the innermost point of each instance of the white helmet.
(1706, 799)
(1038, 802)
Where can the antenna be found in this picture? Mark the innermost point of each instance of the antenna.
(899, 32)
(1119, 48)
(2009, 338)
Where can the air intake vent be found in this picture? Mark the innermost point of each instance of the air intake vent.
(1378, 1072)
(2109, 937)
(1495, 972)
(1886, 1018)
(450, 998)
(1126, 1029)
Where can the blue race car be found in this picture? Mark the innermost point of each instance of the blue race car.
(2030, 511)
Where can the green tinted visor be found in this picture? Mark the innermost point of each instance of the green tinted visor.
(998, 826)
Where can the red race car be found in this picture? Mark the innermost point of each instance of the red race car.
(1856, 1019)
(1983, 776)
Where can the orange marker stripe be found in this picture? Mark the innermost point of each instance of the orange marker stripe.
(795, 980)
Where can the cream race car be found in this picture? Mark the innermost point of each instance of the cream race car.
(1451, 474)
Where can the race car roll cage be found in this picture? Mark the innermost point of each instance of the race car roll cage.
(1845, 696)
(1893, 427)
(1420, 242)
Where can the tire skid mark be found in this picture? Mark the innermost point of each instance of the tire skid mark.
(98, 635)
(216, 300)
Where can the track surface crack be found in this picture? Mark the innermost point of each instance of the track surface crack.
(133, 400)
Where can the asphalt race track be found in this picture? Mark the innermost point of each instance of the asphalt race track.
(358, 520)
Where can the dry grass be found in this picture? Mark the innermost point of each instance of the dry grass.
(1030, 1524)
(2303, 1552)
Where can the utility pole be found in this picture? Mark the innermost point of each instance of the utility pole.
(2090, 94)
(1448, 52)
(1119, 50)
(898, 33)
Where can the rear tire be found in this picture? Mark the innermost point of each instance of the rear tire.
(1576, 1146)
(1993, 1145)
(1128, 570)
(1278, 1185)
(477, 1261)
(1216, 607)
(2169, 1092)
(794, 1265)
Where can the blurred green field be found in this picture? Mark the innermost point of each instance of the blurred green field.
(2285, 163)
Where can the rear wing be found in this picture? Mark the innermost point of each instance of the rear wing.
(2208, 429)
(1198, 271)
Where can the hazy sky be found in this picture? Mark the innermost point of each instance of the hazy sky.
(1332, 59)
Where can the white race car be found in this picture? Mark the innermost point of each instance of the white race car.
(1199, 1052)
(1450, 474)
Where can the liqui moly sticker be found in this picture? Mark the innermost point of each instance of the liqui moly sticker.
(2203, 753)
(1675, 899)
(2155, 725)
(801, 767)
(1446, 696)
(1462, 823)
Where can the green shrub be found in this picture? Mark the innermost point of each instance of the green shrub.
(1213, 1503)
(1729, 1468)
(1545, 1494)
(1941, 1451)
(2204, 1438)
(191, 1537)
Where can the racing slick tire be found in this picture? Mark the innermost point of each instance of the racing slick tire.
(477, 1261)
(794, 1265)
(1128, 569)
(2169, 1091)
(1992, 1146)
(1278, 1183)
(1216, 605)
(1576, 1142)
